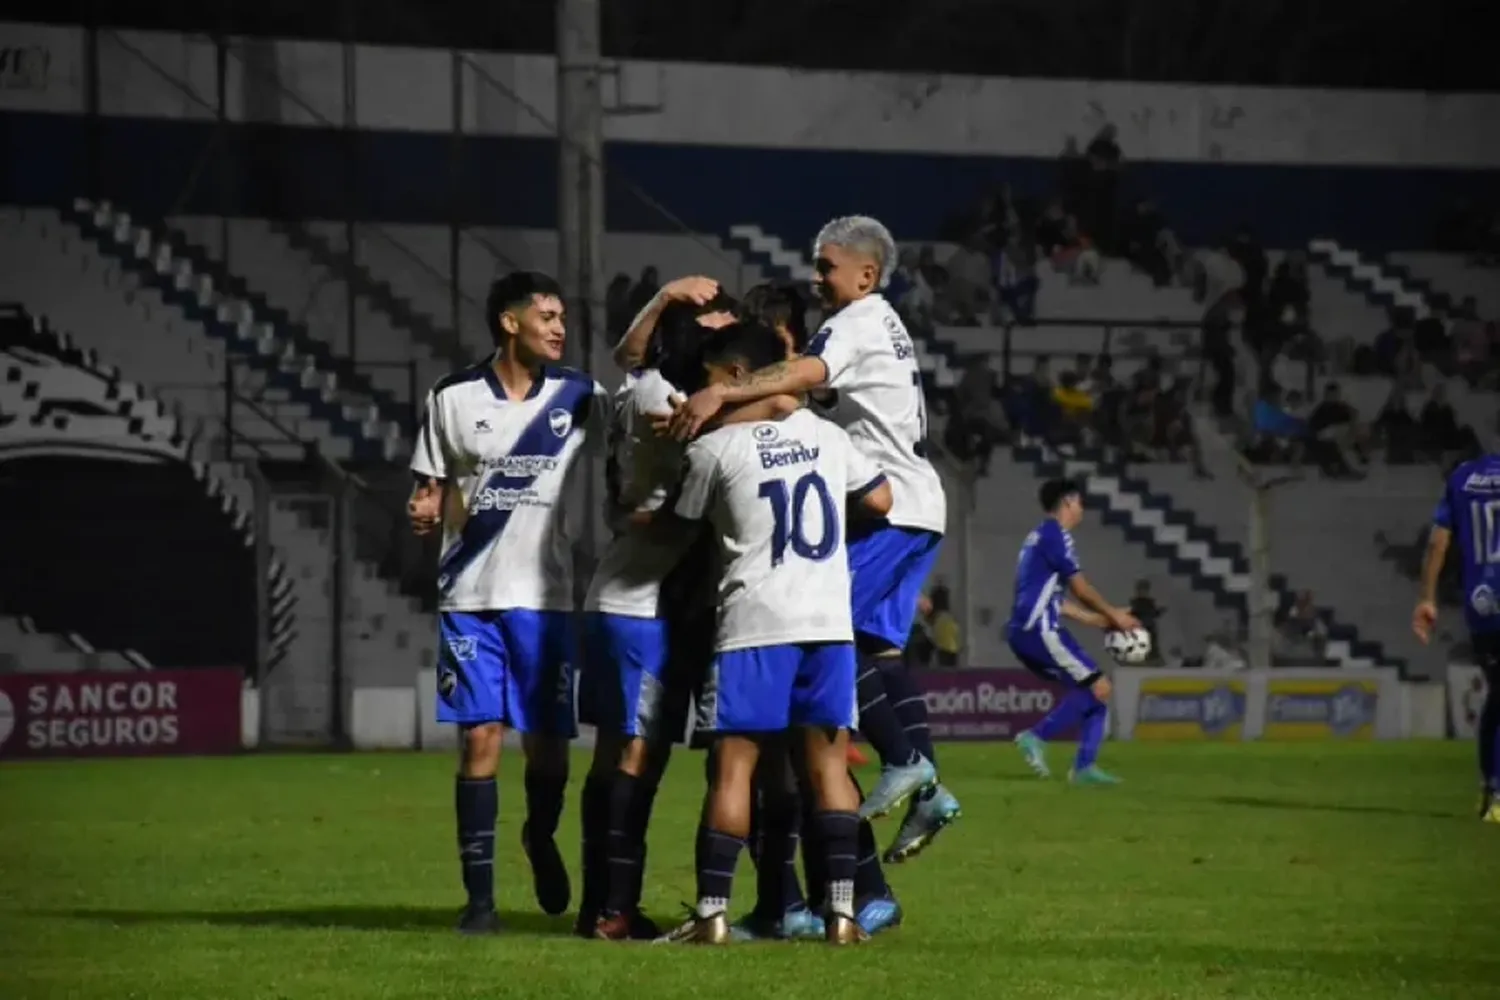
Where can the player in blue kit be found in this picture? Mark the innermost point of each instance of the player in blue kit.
(497, 453)
(1469, 512)
(1046, 573)
(784, 664)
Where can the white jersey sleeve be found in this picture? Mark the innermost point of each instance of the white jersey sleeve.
(872, 366)
(428, 458)
(700, 472)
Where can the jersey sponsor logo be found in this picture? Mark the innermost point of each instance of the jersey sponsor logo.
(1483, 601)
(791, 453)
(1483, 482)
(560, 420)
(901, 344)
(481, 427)
(765, 434)
(519, 466)
(505, 498)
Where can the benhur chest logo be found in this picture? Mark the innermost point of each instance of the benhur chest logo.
(560, 420)
(1190, 710)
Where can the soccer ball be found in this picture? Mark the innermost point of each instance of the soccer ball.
(1128, 647)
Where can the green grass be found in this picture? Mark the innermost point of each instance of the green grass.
(1218, 871)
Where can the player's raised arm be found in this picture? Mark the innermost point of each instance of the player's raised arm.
(1424, 616)
(429, 466)
(630, 352)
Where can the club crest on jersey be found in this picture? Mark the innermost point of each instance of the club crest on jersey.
(561, 421)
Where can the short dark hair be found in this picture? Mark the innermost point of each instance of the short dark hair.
(749, 342)
(676, 345)
(515, 289)
(776, 303)
(1055, 491)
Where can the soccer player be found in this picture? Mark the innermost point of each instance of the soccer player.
(1046, 573)
(862, 360)
(774, 495)
(629, 690)
(1469, 510)
(498, 449)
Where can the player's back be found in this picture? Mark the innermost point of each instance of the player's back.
(642, 469)
(1046, 560)
(778, 509)
(1471, 509)
(872, 366)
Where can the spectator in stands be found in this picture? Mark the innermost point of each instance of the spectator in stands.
(910, 291)
(617, 314)
(1443, 438)
(1288, 305)
(1251, 256)
(1391, 342)
(942, 626)
(978, 422)
(1104, 156)
(1074, 408)
(1148, 242)
(919, 648)
(1138, 415)
(1396, 429)
(1016, 278)
(1076, 256)
(1224, 647)
(1278, 431)
(1030, 397)
(1333, 433)
(1049, 228)
(645, 290)
(970, 291)
(1143, 605)
(1303, 634)
(1072, 177)
(1473, 347)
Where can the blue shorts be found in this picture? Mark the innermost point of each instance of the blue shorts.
(767, 689)
(628, 684)
(1052, 654)
(888, 567)
(514, 667)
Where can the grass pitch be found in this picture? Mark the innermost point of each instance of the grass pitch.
(1302, 872)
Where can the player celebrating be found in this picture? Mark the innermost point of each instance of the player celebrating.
(629, 690)
(498, 446)
(1046, 571)
(1470, 510)
(864, 355)
(774, 494)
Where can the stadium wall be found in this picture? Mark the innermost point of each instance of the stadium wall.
(719, 145)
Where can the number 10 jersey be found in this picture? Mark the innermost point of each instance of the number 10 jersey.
(775, 494)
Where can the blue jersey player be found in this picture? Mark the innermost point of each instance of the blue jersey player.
(1046, 574)
(1469, 514)
(497, 453)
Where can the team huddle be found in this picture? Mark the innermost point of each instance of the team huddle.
(774, 518)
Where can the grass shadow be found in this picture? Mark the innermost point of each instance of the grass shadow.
(354, 918)
(1257, 802)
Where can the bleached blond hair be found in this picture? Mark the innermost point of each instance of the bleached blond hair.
(865, 235)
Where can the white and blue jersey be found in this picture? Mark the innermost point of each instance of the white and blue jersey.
(1470, 508)
(510, 470)
(872, 367)
(1048, 560)
(774, 494)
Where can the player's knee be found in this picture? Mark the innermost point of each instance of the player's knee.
(546, 755)
(633, 757)
(479, 750)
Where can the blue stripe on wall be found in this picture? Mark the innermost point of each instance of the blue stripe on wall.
(275, 171)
